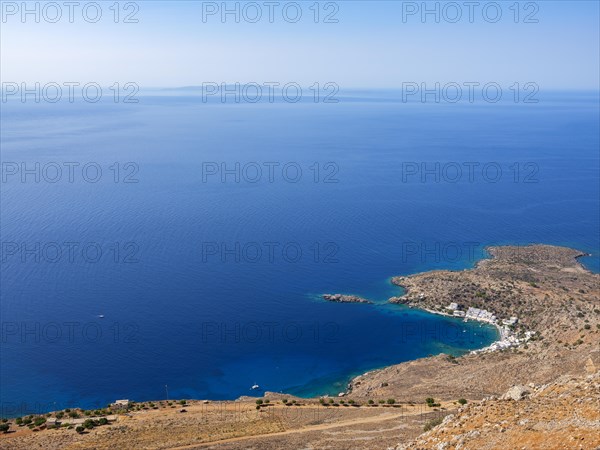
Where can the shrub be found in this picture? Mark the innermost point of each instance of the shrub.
(370, 402)
(391, 401)
(284, 400)
(182, 402)
(4, 427)
(462, 401)
(259, 402)
(79, 429)
(103, 421)
(432, 423)
(39, 421)
(19, 421)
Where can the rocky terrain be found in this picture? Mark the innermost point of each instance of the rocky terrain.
(564, 414)
(342, 298)
(539, 394)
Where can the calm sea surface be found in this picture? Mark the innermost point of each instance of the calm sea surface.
(209, 275)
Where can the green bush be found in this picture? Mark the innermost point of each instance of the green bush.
(4, 427)
(462, 401)
(103, 421)
(370, 402)
(39, 421)
(432, 423)
(79, 429)
(391, 401)
(259, 402)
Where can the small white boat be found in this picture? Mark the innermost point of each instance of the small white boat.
(255, 386)
(100, 316)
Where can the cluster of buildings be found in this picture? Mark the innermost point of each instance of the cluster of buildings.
(482, 315)
(507, 340)
(507, 337)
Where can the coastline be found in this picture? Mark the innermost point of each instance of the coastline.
(553, 311)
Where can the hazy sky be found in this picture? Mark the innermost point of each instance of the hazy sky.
(371, 45)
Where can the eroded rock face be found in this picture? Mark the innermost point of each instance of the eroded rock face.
(515, 393)
(342, 298)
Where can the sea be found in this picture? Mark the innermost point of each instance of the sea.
(179, 247)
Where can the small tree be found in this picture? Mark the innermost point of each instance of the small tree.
(391, 401)
(462, 401)
(4, 427)
(259, 402)
(79, 429)
(103, 421)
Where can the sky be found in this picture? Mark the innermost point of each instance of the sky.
(356, 44)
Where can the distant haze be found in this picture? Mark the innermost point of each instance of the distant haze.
(373, 44)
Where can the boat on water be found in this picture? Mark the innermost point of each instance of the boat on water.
(255, 386)
(100, 316)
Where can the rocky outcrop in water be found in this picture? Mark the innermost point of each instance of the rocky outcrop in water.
(342, 298)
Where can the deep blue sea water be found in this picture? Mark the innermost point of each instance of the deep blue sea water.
(209, 287)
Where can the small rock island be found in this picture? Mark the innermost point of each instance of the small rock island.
(342, 298)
